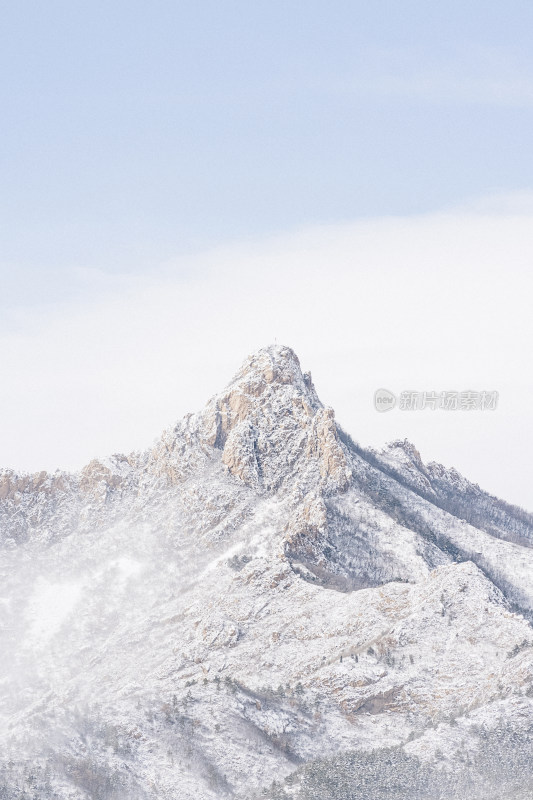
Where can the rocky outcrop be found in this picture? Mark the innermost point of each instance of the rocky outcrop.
(254, 592)
(272, 428)
(306, 533)
(323, 444)
(240, 454)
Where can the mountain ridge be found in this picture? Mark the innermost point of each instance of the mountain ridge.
(255, 593)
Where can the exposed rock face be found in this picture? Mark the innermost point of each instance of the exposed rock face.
(99, 480)
(402, 458)
(240, 454)
(252, 599)
(306, 531)
(272, 428)
(324, 445)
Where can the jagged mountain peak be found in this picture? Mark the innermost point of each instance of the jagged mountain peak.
(274, 364)
(269, 381)
(256, 546)
(270, 427)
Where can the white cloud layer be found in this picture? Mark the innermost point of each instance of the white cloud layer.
(434, 302)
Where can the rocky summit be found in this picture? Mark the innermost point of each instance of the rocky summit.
(259, 607)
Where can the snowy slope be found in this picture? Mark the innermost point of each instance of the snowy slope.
(255, 599)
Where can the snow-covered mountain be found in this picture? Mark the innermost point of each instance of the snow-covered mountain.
(259, 607)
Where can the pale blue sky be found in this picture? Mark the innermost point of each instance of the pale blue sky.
(135, 131)
(182, 183)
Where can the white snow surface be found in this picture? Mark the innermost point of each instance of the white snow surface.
(253, 593)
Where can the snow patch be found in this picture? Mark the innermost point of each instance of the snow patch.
(49, 607)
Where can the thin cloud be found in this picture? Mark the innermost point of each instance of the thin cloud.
(432, 302)
(473, 75)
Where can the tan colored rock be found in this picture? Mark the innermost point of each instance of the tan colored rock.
(306, 532)
(324, 445)
(239, 454)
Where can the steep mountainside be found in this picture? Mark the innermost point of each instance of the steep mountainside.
(257, 606)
